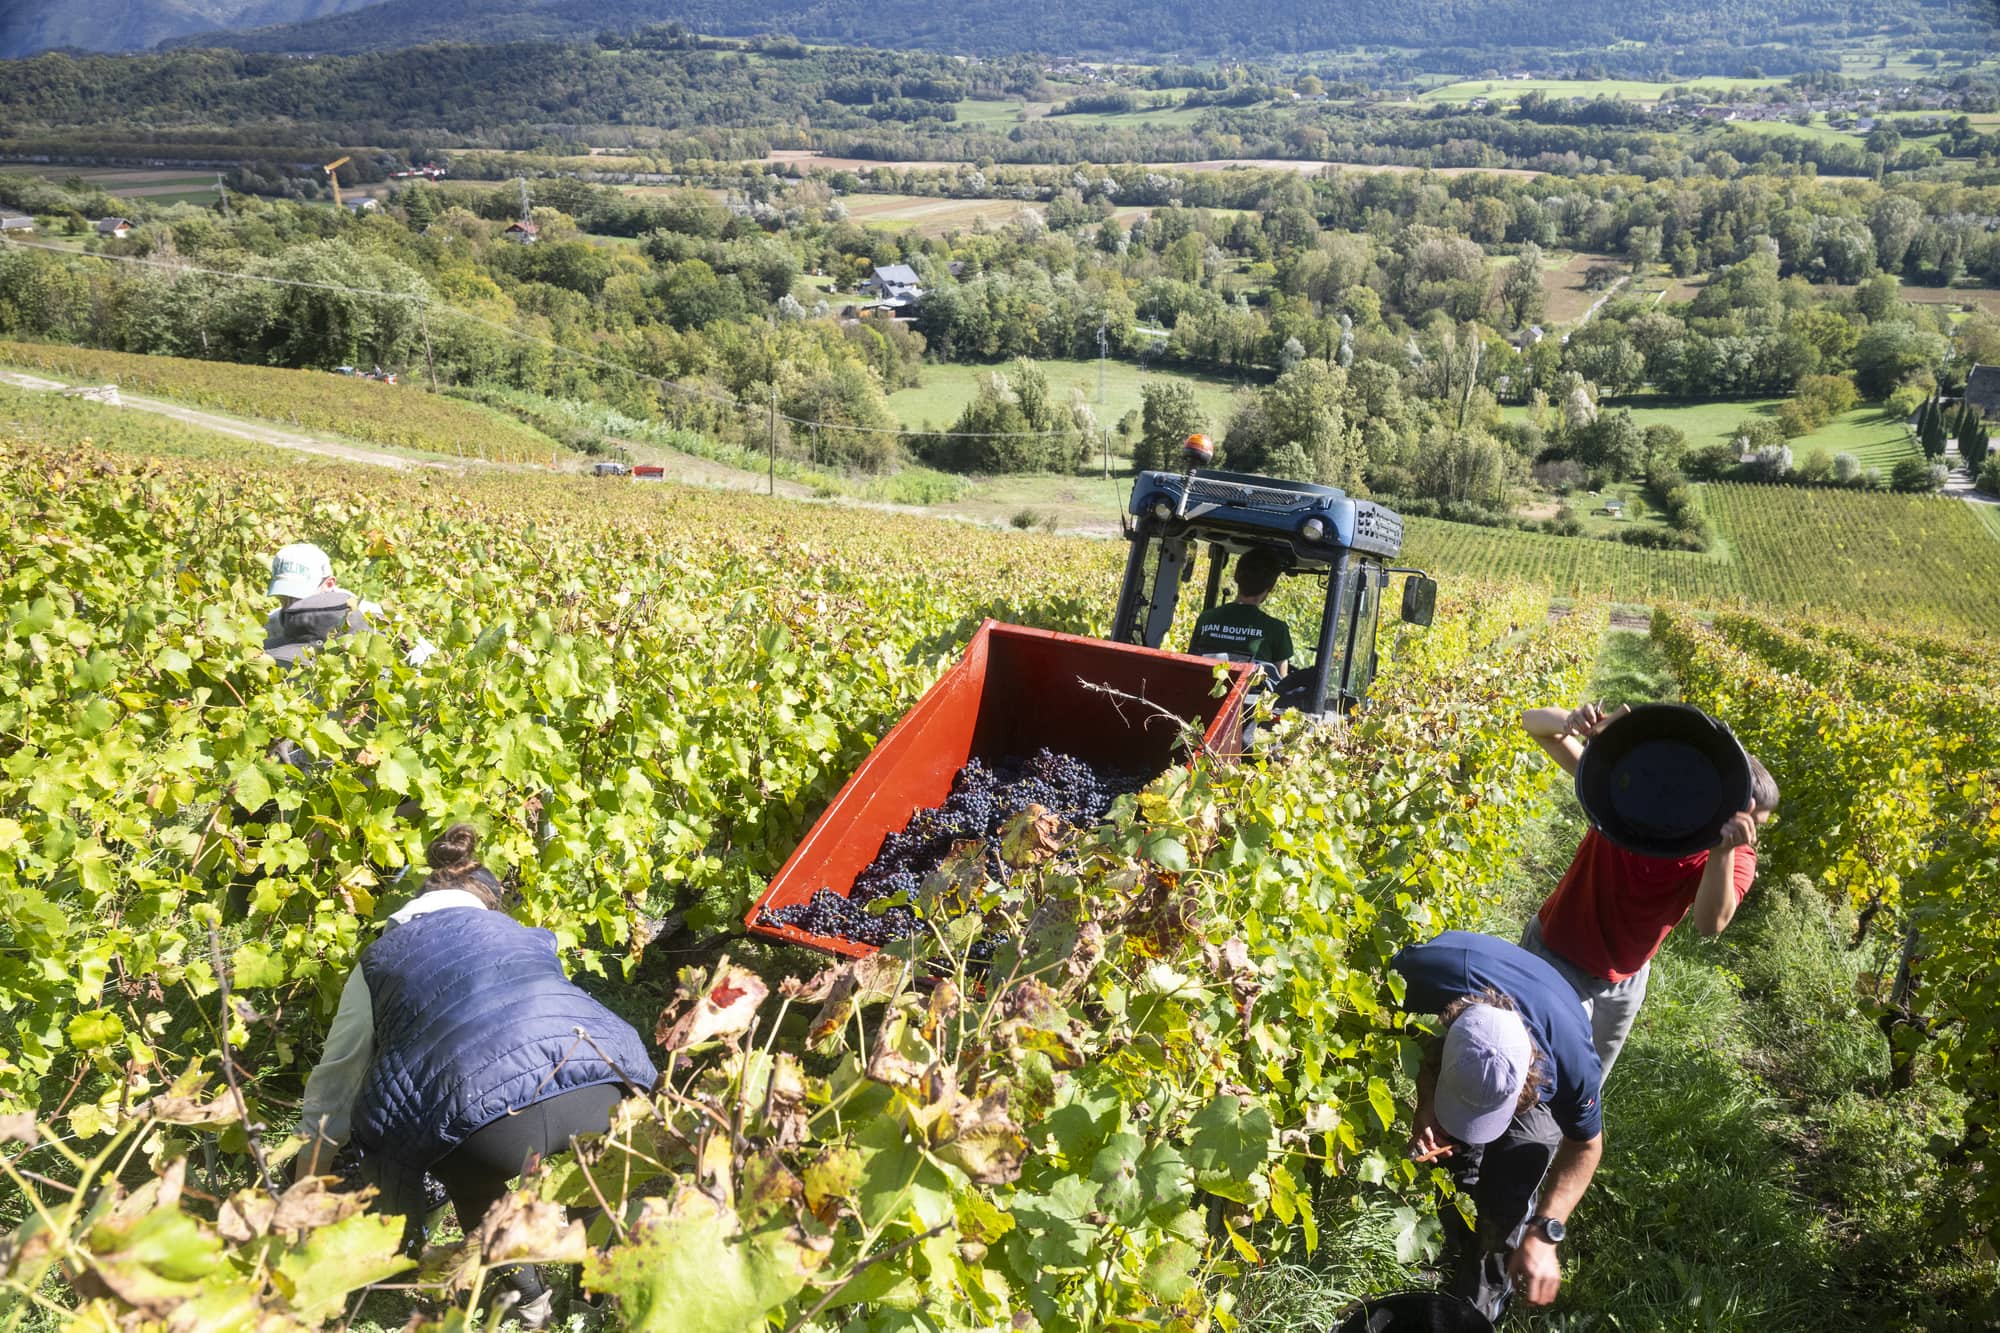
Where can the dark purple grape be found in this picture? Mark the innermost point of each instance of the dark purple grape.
(983, 798)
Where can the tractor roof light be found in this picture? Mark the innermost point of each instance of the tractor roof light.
(1162, 511)
(1313, 529)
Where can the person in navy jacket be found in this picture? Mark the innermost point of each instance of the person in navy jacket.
(460, 1050)
(1507, 1095)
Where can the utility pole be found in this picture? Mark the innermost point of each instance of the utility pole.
(424, 320)
(772, 454)
(1103, 350)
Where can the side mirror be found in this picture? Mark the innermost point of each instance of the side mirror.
(1420, 595)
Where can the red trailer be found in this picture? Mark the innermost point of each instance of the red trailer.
(1016, 690)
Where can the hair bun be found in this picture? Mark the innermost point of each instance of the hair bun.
(454, 848)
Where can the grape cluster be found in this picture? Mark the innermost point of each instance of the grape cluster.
(984, 797)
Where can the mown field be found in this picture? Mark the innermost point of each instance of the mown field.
(930, 216)
(947, 388)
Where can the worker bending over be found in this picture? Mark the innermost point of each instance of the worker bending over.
(312, 606)
(1242, 630)
(1614, 909)
(462, 1051)
(1506, 1094)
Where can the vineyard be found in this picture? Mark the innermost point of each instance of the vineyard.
(403, 416)
(1914, 560)
(1186, 1063)
(1890, 748)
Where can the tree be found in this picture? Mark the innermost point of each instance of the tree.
(1930, 431)
(1914, 474)
(1521, 288)
(1889, 351)
(1464, 465)
(1973, 442)
(1169, 413)
(1299, 428)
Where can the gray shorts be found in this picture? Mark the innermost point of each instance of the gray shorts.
(1610, 1005)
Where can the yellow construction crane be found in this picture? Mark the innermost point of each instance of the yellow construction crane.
(333, 181)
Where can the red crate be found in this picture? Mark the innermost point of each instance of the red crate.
(1015, 691)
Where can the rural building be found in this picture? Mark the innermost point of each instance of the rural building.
(523, 233)
(894, 286)
(1982, 390)
(16, 222)
(363, 205)
(119, 228)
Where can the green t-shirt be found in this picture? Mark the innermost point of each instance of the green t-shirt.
(1242, 631)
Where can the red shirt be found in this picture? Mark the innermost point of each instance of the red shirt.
(1614, 909)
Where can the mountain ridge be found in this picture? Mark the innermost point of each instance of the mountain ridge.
(978, 27)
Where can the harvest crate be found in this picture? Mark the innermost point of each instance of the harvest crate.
(1015, 691)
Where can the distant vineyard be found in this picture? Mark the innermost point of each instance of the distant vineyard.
(1910, 559)
(1915, 560)
(1571, 566)
(404, 416)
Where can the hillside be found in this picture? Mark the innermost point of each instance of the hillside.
(1242, 27)
(133, 25)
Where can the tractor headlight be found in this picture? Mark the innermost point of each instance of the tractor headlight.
(1162, 511)
(1313, 529)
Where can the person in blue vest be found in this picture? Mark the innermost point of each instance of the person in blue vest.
(461, 1051)
(1507, 1097)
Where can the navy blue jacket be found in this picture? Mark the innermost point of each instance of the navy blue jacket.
(1459, 963)
(474, 1019)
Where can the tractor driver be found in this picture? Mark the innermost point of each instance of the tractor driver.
(1242, 630)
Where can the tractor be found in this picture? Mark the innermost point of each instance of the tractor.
(1318, 532)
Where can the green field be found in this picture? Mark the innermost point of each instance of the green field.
(1632, 90)
(948, 388)
(1864, 432)
(982, 114)
(1781, 129)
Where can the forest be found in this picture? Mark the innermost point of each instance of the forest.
(1691, 34)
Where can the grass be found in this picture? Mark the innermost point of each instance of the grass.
(1781, 129)
(1876, 440)
(1565, 299)
(928, 215)
(1632, 90)
(979, 113)
(1989, 514)
(947, 388)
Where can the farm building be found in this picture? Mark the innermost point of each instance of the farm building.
(1982, 390)
(118, 228)
(16, 222)
(523, 233)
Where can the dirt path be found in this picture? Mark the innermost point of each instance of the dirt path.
(696, 471)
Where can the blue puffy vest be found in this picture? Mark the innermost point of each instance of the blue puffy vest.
(474, 1019)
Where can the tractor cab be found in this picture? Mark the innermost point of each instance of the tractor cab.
(1317, 532)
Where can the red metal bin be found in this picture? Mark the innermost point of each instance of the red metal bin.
(1015, 691)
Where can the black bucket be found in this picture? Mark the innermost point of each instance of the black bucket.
(1413, 1312)
(1663, 780)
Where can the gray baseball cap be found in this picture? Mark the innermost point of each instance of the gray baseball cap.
(1487, 1055)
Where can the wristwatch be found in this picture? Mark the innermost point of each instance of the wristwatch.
(1548, 1228)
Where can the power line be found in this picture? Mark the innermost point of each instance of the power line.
(425, 302)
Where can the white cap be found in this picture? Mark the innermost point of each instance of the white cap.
(298, 570)
(1486, 1058)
